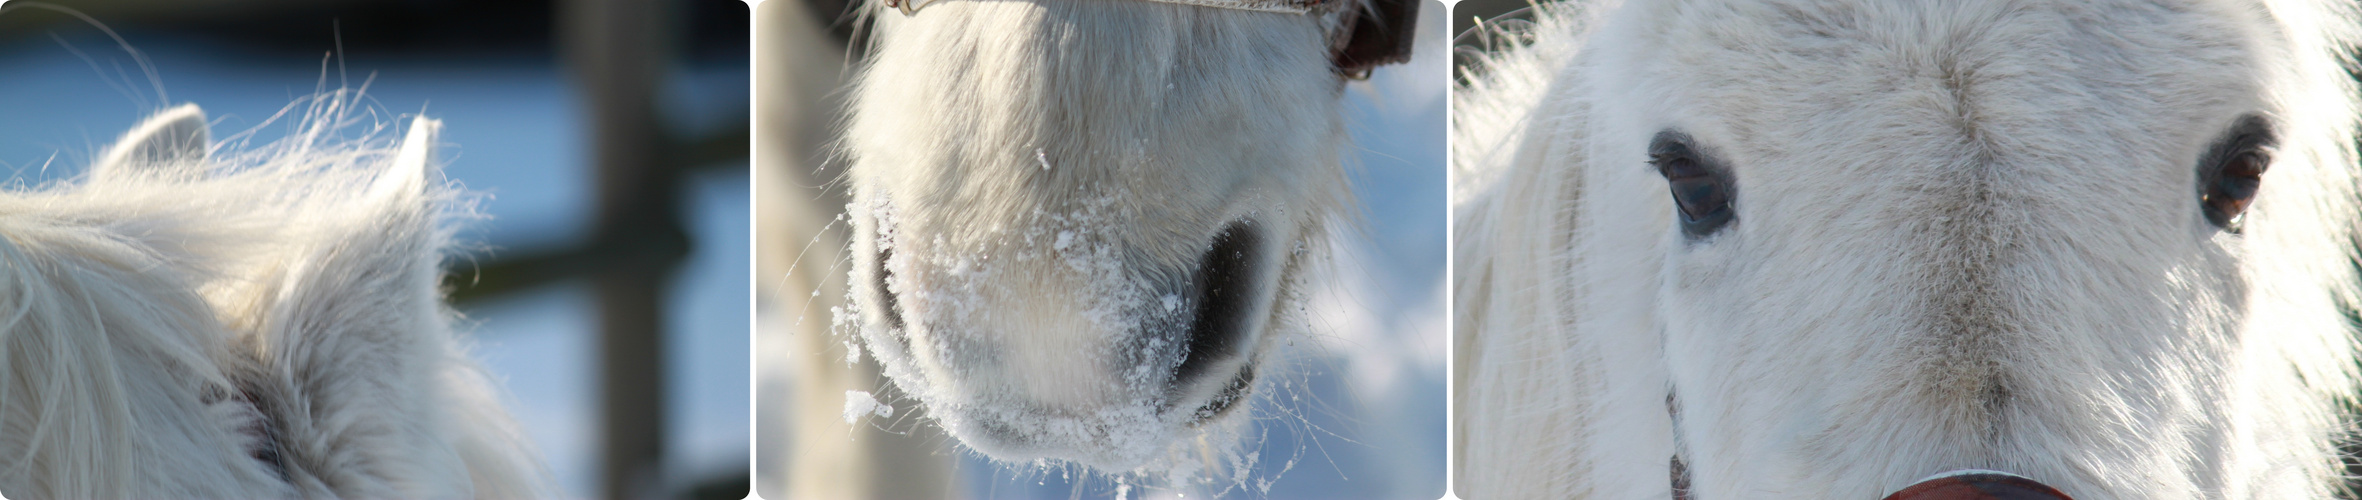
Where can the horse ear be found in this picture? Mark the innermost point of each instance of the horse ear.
(408, 174)
(358, 329)
(175, 136)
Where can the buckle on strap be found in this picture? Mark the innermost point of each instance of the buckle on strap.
(1378, 36)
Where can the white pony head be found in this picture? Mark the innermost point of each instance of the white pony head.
(1824, 249)
(182, 323)
(1080, 223)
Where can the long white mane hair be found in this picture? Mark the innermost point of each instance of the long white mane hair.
(1966, 236)
(189, 321)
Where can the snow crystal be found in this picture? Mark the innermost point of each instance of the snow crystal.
(1043, 157)
(859, 404)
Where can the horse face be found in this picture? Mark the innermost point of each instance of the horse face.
(1999, 236)
(1074, 236)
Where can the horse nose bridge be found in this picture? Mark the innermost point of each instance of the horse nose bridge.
(1971, 238)
(2002, 290)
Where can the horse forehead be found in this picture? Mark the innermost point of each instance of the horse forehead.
(1882, 81)
(1810, 28)
(1959, 136)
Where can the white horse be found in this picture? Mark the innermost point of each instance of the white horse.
(1776, 249)
(186, 323)
(1079, 224)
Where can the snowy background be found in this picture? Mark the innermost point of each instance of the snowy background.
(513, 130)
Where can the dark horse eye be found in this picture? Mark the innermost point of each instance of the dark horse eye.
(2232, 169)
(1701, 189)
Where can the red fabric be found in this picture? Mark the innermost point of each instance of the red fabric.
(1979, 487)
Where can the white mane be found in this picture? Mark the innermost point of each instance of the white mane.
(1810, 349)
(184, 322)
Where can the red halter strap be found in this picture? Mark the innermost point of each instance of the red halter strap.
(1976, 484)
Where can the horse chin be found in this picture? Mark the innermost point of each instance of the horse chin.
(1017, 402)
(1114, 437)
(1111, 438)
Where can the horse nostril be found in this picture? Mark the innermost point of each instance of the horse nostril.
(1225, 285)
(1229, 397)
(885, 296)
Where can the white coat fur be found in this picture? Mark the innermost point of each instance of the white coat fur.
(179, 317)
(1967, 236)
(1035, 180)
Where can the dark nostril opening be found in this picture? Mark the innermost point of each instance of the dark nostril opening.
(884, 296)
(1225, 285)
(1229, 397)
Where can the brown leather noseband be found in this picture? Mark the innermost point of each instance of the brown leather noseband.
(1361, 40)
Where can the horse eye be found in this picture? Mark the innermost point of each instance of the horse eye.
(1701, 190)
(2231, 171)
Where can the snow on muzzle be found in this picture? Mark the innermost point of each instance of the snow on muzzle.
(1063, 342)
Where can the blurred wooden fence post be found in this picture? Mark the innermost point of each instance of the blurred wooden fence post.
(618, 54)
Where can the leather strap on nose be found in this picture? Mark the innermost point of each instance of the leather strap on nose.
(1362, 40)
(1977, 484)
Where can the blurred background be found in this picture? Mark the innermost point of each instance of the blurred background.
(607, 288)
(1468, 14)
(1367, 419)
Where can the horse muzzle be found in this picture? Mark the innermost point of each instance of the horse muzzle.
(1977, 484)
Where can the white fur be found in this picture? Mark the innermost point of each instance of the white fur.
(1967, 236)
(176, 314)
(1045, 174)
